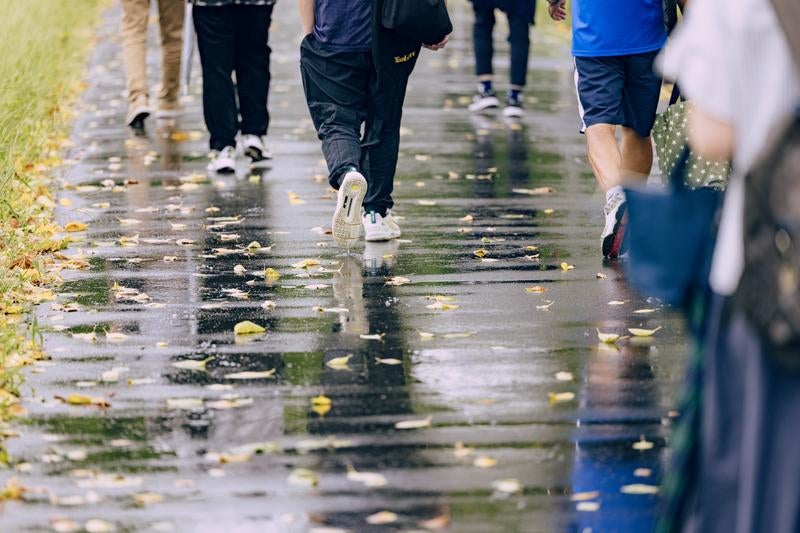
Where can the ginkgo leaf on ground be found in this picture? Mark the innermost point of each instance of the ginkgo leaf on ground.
(642, 444)
(638, 332)
(321, 404)
(247, 327)
(82, 399)
(414, 424)
(147, 498)
(559, 397)
(397, 281)
(306, 263)
(607, 337)
(585, 496)
(507, 486)
(303, 477)
(485, 461)
(382, 517)
(564, 376)
(389, 361)
(252, 374)
(441, 306)
(587, 507)
(193, 364)
(339, 363)
(369, 479)
(639, 488)
(74, 227)
(538, 191)
(116, 337)
(321, 309)
(373, 336)
(536, 289)
(567, 267)
(270, 274)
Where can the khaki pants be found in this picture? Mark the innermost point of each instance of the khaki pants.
(135, 14)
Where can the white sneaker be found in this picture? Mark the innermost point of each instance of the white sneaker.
(224, 161)
(483, 100)
(254, 148)
(375, 227)
(394, 227)
(345, 226)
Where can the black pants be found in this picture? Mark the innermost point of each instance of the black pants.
(231, 39)
(347, 89)
(519, 22)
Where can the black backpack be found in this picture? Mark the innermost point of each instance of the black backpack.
(421, 21)
(769, 290)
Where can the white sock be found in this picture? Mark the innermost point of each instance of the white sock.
(614, 190)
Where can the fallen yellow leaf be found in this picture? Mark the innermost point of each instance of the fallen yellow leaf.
(558, 397)
(642, 444)
(382, 517)
(607, 337)
(339, 363)
(639, 488)
(484, 461)
(246, 328)
(638, 332)
(73, 227)
(414, 424)
(193, 364)
(252, 374)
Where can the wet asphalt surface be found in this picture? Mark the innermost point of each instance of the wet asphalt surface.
(489, 448)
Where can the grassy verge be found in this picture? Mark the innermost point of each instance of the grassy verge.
(43, 46)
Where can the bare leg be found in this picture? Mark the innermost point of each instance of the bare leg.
(604, 154)
(637, 155)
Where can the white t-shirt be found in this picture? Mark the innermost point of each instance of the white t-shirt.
(732, 60)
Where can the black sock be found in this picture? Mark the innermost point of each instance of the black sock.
(485, 86)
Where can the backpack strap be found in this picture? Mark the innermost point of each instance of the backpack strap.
(788, 12)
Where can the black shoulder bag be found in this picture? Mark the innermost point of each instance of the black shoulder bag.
(421, 21)
(769, 290)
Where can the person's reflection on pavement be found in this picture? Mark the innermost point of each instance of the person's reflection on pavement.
(505, 161)
(368, 397)
(618, 405)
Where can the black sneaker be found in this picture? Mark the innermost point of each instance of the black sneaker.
(513, 107)
(483, 100)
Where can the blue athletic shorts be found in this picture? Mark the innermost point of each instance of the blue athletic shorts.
(619, 90)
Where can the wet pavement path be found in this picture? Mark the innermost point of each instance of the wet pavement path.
(439, 405)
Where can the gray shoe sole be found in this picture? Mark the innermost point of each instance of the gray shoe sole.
(346, 224)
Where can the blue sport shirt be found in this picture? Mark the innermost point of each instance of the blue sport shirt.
(616, 27)
(343, 25)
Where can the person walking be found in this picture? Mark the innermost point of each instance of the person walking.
(520, 15)
(135, 14)
(737, 62)
(232, 37)
(355, 73)
(614, 47)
